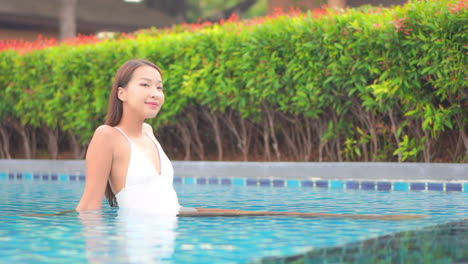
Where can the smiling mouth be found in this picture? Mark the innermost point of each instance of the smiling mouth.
(153, 104)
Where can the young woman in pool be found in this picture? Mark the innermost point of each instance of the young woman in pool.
(126, 163)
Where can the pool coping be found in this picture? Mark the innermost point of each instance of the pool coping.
(282, 170)
(380, 176)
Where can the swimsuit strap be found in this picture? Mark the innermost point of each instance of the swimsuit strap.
(123, 133)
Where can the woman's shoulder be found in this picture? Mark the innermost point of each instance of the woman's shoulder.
(105, 133)
(105, 130)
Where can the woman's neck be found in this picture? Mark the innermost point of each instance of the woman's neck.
(132, 126)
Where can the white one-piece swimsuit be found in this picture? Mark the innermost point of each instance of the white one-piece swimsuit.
(146, 191)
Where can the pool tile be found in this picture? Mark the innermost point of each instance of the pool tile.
(11, 176)
(400, 186)
(278, 183)
(465, 187)
(453, 187)
(337, 184)
(28, 176)
(201, 180)
(54, 176)
(213, 181)
(189, 180)
(64, 177)
(294, 183)
(36, 176)
(82, 177)
(418, 186)
(435, 186)
(73, 177)
(45, 176)
(265, 182)
(252, 182)
(19, 176)
(3, 175)
(321, 183)
(352, 185)
(307, 183)
(367, 185)
(384, 186)
(239, 182)
(226, 181)
(177, 180)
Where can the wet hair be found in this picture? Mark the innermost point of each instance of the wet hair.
(114, 114)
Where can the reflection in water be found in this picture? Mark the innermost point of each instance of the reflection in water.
(130, 237)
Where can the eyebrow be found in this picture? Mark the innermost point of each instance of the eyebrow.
(149, 80)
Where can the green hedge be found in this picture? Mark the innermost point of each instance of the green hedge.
(359, 85)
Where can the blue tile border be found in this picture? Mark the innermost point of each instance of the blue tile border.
(321, 184)
(213, 181)
(453, 187)
(418, 186)
(265, 182)
(307, 183)
(279, 183)
(293, 183)
(28, 176)
(435, 186)
(352, 185)
(189, 180)
(384, 186)
(346, 184)
(251, 182)
(226, 181)
(401, 186)
(239, 182)
(367, 185)
(335, 184)
(201, 180)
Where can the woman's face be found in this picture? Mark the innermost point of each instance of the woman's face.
(144, 94)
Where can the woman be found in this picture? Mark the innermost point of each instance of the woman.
(126, 163)
(124, 160)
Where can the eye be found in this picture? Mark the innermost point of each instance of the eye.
(145, 84)
(160, 88)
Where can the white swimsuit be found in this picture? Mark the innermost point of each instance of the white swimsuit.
(146, 191)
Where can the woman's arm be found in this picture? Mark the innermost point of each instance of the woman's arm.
(98, 167)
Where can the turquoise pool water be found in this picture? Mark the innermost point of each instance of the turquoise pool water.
(107, 238)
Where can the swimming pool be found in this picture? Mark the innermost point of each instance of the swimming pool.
(108, 238)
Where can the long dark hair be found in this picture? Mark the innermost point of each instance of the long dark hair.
(114, 114)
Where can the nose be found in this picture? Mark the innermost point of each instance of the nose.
(155, 93)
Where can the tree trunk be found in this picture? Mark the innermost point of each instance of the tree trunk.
(239, 8)
(271, 123)
(337, 141)
(321, 127)
(394, 130)
(186, 139)
(5, 141)
(245, 130)
(337, 3)
(213, 120)
(199, 147)
(463, 134)
(427, 148)
(75, 146)
(67, 18)
(24, 137)
(242, 137)
(266, 140)
(52, 142)
(33, 141)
